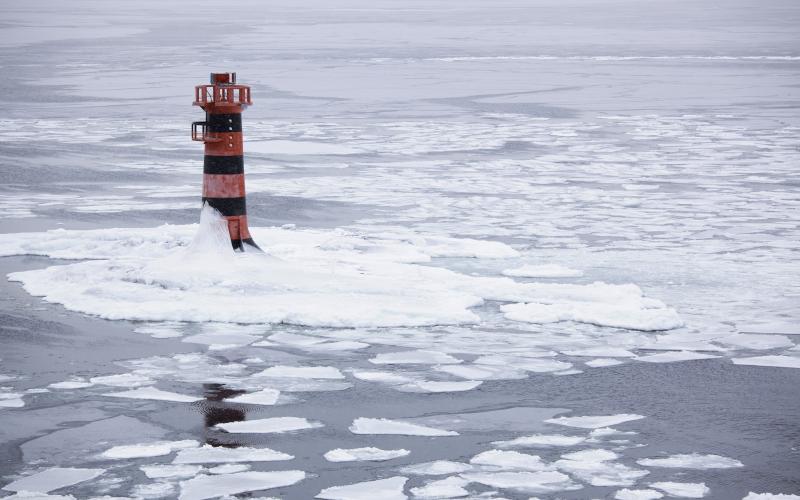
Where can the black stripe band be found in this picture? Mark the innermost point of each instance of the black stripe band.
(223, 165)
(228, 206)
(224, 122)
(240, 244)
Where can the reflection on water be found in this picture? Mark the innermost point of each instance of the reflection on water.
(216, 411)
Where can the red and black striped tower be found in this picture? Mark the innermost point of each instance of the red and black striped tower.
(223, 100)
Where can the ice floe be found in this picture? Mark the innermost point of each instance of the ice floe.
(436, 468)
(771, 496)
(212, 486)
(594, 421)
(228, 468)
(122, 380)
(451, 487)
(9, 399)
(439, 386)
(262, 397)
(154, 394)
(208, 454)
(540, 441)
(414, 357)
(674, 356)
(312, 372)
(597, 467)
(627, 494)
(692, 461)
(524, 481)
(170, 471)
(365, 425)
(543, 271)
(270, 425)
(602, 362)
(72, 383)
(682, 490)
(639, 314)
(155, 449)
(53, 479)
(510, 460)
(363, 454)
(776, 361)
(310, 277)
(388, 489)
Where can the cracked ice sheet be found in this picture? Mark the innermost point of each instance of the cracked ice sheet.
(322, 278)
(53, 479)
(202, 487)
(388, 489)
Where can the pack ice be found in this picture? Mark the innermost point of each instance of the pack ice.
(307, 277)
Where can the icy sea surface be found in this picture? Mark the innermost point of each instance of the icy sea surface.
(513, 249)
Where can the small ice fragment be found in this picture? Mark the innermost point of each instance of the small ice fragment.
(53, 479)
(262, 397)
(384, 489)
(543, 271)
(451, 487)
(774, 361)
(692, 461)
(626, 494)
(436, 468)
(540, 441)
(597, 468)
(483, 372)
(528, 482)
(594, 421)
(270, 425)
(509, 460)
(363, 425)
(439, 386)
(208, 454)
(591, 455)
(202, 487)
(311, 372)
(363, 454)
(148, 449)
(673, 356)
(11, 400)
(531, 364)
(683, 490)
(601, 351)
(170, 471)
(414, 357)
(154, 394)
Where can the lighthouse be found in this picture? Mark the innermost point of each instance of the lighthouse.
(223, 101)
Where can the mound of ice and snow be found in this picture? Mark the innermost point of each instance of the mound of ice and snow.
(311, 277)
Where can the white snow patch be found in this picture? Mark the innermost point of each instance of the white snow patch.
(270, 425)
(543, 271)
(385, 489)
(364, 425)
(208, 454)
(202, 487)
(683, 490)
(594, 421)
(53, 479)
(692, 461)
(363, 454)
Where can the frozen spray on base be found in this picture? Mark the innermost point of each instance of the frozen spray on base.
(223, 166)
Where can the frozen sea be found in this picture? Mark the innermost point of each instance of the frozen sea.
(542, 249)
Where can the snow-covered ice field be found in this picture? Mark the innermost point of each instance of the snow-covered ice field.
(513, 249)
